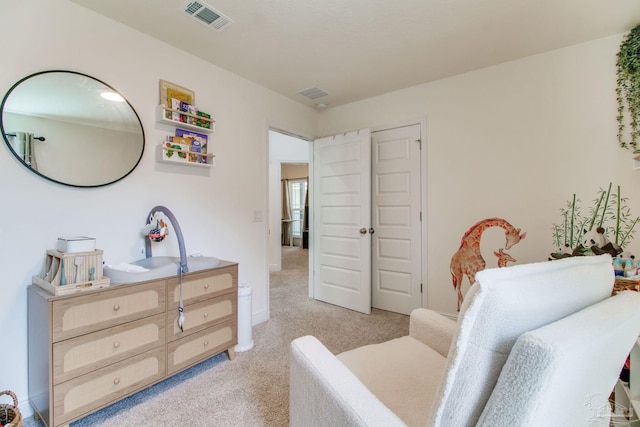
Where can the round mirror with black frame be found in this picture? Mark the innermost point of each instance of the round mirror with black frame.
(71, 128)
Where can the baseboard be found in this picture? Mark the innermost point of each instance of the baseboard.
(259, 317)
(274, 267)
(25, 410)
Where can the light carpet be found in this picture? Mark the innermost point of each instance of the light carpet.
(253, 389)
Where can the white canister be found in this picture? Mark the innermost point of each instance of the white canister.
(245, 327)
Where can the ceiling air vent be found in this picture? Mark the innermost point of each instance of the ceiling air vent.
(207, 15)
(313, 93)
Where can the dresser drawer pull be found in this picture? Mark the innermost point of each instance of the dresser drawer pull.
(116, 381)
(206, 315)
(206, 286)
(116, 307)
(206, 343)
(116, 344)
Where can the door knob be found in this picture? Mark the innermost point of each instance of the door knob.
(371, 230)
(363, 230)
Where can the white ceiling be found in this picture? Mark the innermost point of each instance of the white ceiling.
(355, 49)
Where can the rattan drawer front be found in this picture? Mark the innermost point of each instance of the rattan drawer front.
(187, 351)
(88, 392)
(200, 286)
(87, 313)
(202, 315)
(89, 352)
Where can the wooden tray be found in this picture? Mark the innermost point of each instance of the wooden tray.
(103, 282)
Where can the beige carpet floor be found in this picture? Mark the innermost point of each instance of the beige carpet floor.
(253, 389)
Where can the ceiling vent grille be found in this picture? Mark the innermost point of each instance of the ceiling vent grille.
(313, 93)
(207, 15)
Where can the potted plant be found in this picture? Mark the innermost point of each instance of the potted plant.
(628, 90)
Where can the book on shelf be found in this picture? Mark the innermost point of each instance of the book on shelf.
(204, 123)
(198, 144)
(181, 145)
(192, 114)
(193, 111)
(175, 115)
(181, 106)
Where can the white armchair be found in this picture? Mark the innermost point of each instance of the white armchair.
(470, 372)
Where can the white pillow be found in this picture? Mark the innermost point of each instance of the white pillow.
(563, 373)
(499, 307)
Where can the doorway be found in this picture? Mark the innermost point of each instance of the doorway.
(288, 185)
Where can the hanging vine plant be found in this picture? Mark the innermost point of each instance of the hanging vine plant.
(628, 90)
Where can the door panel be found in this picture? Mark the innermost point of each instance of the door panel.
(342, 207)
(396, 201)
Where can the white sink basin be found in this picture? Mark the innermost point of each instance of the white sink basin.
(158, 267)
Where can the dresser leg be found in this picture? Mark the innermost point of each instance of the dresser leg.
(232, 353)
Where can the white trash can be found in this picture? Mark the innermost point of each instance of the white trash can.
(245, 327)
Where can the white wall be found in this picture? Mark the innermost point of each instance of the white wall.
(513, 141)
(295, 171)
(214, 206)
(282, 149)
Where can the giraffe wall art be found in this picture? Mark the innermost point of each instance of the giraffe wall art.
(503, 258)
(468, 259)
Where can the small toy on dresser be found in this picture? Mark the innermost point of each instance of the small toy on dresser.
(71, 271)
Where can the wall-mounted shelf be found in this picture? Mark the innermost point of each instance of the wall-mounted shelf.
(161, 111)
(177, 160)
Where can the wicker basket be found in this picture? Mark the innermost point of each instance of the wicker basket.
(622, 284)
(10, 415)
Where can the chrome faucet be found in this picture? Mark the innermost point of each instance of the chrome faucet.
(184, 267)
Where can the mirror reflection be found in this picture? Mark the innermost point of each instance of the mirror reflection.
(71, 128)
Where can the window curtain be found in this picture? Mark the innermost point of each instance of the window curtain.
(286, 211)
(305, 220)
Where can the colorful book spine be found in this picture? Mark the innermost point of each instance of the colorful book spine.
(204, 123)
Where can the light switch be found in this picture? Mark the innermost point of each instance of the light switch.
(257, 215)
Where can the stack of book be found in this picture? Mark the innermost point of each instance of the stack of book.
(186, 146)
(185, 113)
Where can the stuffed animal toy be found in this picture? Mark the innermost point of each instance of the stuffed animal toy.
(564, 252)
(599, 243)
(626, 255)
(157, 232)
(628, 262)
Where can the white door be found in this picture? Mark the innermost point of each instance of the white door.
(396, 195)
(341, 220)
